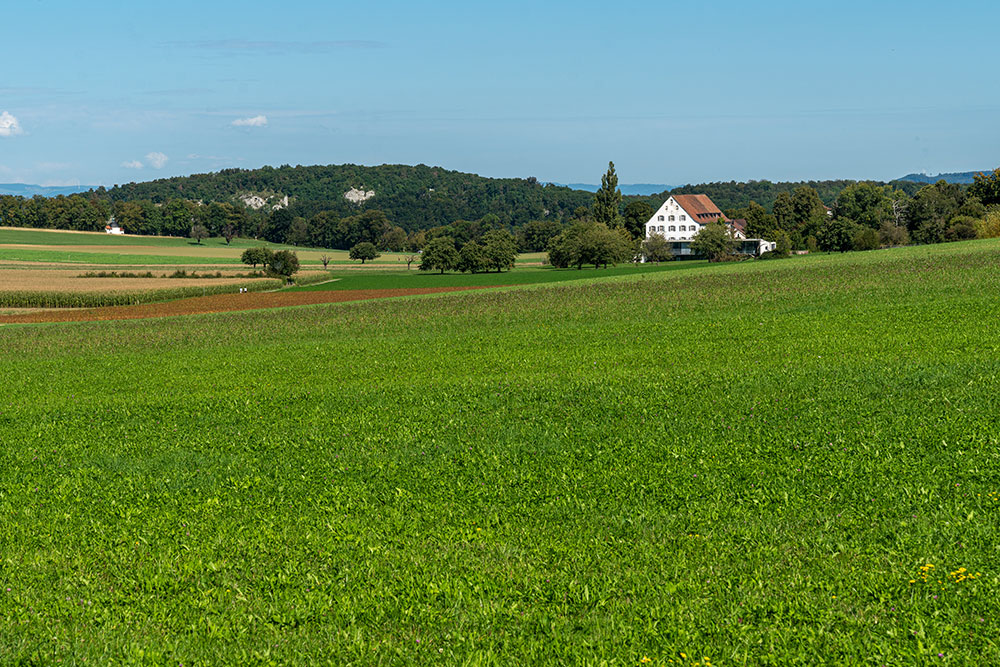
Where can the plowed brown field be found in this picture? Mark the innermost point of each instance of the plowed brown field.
(216, 304)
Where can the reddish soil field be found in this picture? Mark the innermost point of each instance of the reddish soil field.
(215, 304)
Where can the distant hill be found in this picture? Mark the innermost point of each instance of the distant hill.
(640, 189)
(953, 177)
(414, 197)
(27, 190)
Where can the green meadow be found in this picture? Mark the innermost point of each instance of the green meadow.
(525, 275)
(769, 463)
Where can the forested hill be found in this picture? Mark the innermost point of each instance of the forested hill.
(413, 197)
(732, 194)
(420, 197)
(964, 177)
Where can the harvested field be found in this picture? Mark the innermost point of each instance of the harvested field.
(69, 280)
(215, 304)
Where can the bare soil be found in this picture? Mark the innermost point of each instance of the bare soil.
(216, 304)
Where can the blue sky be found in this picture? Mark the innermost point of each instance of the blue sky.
(111, 92)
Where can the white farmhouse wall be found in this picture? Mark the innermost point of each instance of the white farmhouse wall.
(656, 225)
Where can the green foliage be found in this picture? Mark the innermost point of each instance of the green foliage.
(890, 235)
(733, 195)
(837, 235)
(364, 251)
(499, 249)
(760, 223)
(657, 249)
(989, 226)
(535, 236)
(865, 238)
(961, 228)
(637, 214)
(298, 232)
(393, 239)
(934, 206)
(472, 258)
(608, 200)
(588, 242)
(284, 263)
(782, 243)
(866, 203)
(199, 232)
(439, 255)
(254, 256)
(714, 241)
(986, 187)
(413, 197)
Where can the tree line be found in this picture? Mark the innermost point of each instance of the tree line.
(860, 215)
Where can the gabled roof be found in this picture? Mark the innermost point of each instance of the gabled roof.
(700, 208)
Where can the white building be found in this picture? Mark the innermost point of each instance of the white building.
(113, 228)
(682, 216)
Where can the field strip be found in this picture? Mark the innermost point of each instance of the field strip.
(219, 303)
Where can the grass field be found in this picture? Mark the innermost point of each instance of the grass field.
(60, 247)
(352, 280)
(790, 462)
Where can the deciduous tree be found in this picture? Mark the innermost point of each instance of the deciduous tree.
(499, 249)
(364, 251)
(714, 241)
(439, 255)
(199, 232)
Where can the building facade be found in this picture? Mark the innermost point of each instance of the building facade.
(681, 217)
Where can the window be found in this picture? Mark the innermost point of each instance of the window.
(673, 228)
(683, 218)
(661, 228)
(660, 218)
(671, 218)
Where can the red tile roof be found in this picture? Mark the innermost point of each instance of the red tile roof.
(700, 208)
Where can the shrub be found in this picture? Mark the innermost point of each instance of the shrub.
(961, 228)
(283, 264)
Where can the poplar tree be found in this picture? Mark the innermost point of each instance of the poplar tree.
(608, 200)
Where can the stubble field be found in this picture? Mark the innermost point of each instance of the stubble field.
(790, 462)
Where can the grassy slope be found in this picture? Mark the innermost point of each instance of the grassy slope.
(749, 463)
(354, 280)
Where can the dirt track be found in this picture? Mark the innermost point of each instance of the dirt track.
(215, 304)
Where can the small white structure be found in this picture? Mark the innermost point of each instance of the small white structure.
(681, 217)
(113, 228)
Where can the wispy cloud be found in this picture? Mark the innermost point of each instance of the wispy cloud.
(253, 121)
(278, 47)
(9, 125)
(156, 159)
(132, 164)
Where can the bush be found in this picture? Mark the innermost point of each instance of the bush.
(283, 264)
(865, 238)
(961, 228)
(890, 235)
(989, 227)
(657, 249)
